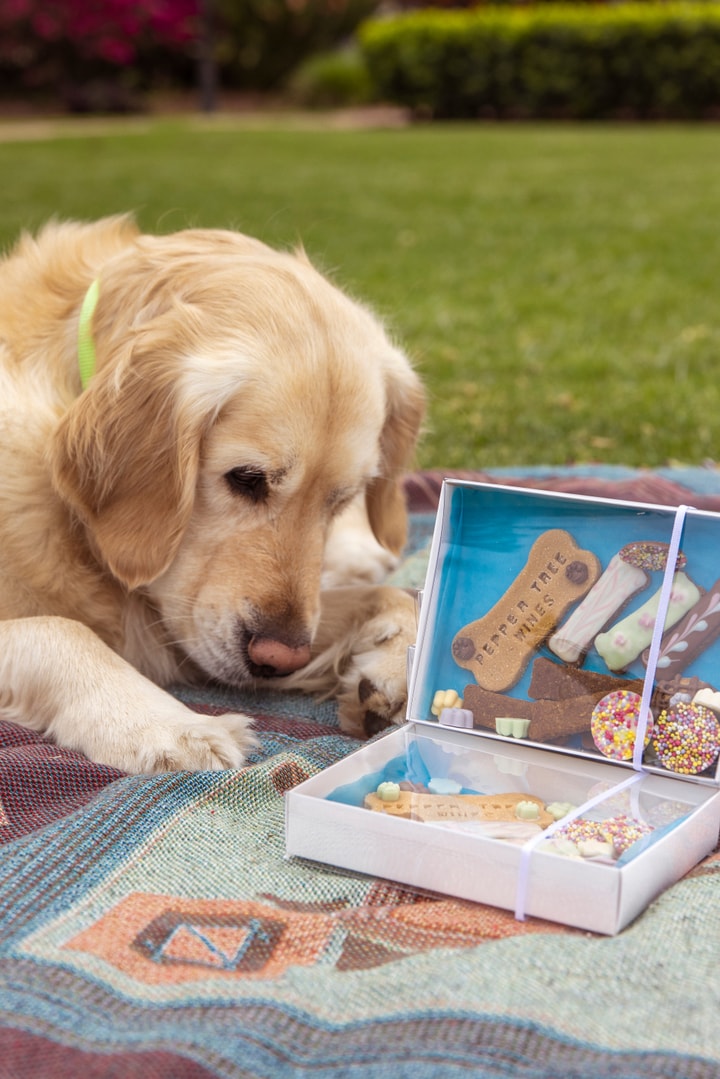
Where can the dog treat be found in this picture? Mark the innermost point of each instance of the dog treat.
(624, 642)
(486, 707)
(440, 785)
(709, 698)
(512, 728)
(558, 810)
(527, 810)
(559, 845)
(687, 738)
(444, 698)
(548, 719)
(625, 576)
(456, 717)
(458, 807)
(695, 632)
(614, 724)
(680, 687)
(597, 849)
(388, 792)
(650, 555)
(497, 647)
(552, 681)
(619, 831)
(511, 831)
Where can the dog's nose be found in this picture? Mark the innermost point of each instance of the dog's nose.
(277, 658)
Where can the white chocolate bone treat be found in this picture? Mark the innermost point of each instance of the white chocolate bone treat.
(618, 583)
(623, 642)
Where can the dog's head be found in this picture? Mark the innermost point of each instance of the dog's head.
(240, 402)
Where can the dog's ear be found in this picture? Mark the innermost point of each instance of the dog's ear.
(125, 458)
(384, 495)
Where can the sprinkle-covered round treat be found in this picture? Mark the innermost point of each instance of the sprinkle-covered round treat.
(614, 722)
(621, 831)
(687, 738)
(650, 555)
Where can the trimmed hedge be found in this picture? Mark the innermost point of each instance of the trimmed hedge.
(573, 61)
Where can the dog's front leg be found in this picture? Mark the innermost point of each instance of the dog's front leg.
(59, 678)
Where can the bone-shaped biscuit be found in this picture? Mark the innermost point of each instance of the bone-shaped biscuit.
(497, 647)
(458, 807)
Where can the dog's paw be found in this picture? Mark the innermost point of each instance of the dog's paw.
(198, 744)
(373, 692)
(178, 739)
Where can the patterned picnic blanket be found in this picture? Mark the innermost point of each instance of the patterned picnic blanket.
(152, 927)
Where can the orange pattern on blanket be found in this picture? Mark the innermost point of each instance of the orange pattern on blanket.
(159, 939)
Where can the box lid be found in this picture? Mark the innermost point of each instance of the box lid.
(573, 619)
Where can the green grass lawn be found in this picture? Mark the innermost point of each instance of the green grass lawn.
(557, 286)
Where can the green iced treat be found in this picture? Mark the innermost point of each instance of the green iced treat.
(558, 810)
(527, 811)
(511, 727)
(389, 792)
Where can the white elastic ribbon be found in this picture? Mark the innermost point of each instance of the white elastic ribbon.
(643, 719)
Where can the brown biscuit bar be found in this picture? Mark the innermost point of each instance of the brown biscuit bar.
(548, 719)
(457, 807)
(551, 681)
(497, 647)
(486, 706)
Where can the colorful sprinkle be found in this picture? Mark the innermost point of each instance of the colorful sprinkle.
(621, 831)
(614, 723)
(650, 555)
(687, 738)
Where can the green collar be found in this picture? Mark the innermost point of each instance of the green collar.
(86, 345)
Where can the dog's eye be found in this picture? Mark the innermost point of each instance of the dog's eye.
(249, 482)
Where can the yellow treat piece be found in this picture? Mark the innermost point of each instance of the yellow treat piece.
(444, 698)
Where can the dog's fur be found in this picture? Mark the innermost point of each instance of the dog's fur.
(239, 445)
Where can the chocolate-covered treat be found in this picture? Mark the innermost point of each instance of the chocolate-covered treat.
(679, 688)
(696, 631)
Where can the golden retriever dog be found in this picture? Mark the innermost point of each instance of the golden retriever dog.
(217, 500)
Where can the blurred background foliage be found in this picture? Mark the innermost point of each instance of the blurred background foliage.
(586, 59)
(106, 55)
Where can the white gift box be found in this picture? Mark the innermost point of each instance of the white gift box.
(625, 823)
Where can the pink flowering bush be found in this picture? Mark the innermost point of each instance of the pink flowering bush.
(100, 54)
(69, 47)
